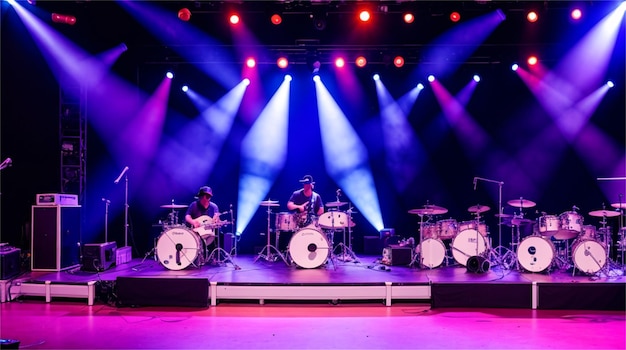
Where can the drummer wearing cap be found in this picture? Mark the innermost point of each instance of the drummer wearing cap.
(202, 206)
(306, 200)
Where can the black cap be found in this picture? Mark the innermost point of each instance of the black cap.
(205, 190)
(307, 179)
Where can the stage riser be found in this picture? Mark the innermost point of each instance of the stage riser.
(190, 292)
(483, 295)
(581, 296)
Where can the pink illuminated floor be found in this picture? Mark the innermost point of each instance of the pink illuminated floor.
(74, 325)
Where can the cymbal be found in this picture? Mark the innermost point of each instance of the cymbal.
(521, 203)
(173, 206)
(429, 210)
(604, 213)
(421, 211)
(335, 204)
(478, 208)
(503, 215)
(520, 221)
(619, 205)
(269, 203)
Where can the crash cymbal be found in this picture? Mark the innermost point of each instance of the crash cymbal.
(604, 213)
(335, 204)
(421, 211)
(521, 203)
(520, 221)
(173, 206)
(269, 203)
(478, 208)
(503, 215)
(619, 205)
(437, 210)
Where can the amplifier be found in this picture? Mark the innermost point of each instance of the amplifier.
(56, 199)
(98, 256)
(397, 255)
(9, 262)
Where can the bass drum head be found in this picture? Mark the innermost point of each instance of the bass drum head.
(178, 247)
(535, 253)
(466, 244)
(309, 248)
(589, 256)
(432, 252)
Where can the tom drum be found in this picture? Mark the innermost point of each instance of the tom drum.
(548, 225)
(570, 225)
(286, 222)
(447, 229)
(335, 220)
(472, 225)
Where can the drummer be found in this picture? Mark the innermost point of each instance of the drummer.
(306, 202)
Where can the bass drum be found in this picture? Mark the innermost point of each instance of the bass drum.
(179, 247)
(466, 244)
(589, 256)
(432, 252)
(535, 253)
(309, 248)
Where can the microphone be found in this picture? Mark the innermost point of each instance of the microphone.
(338, 192)
(120, 177)
(475, 181)
(106, 201)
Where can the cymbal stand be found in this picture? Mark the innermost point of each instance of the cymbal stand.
(417, 257)
(347, 254)
(221, 255)
(268, 255)
(500, 208)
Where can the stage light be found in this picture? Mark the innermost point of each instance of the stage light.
(184, 14)
(276, 19)
(288, 77)
(514, 67)
(408, 18)
(32, 2)
(360, 61)
(532, 60)
(340, 62)
(532, 17)
(364, 16)
(282, 62)
(246, 82)
(319, 20)
(234, 18)
(576, 14)
(476, 78)
(610, 84)
(316, 67)
(431, 78)
(185, 88)
(316, 78)
(455, 16)
(398, 61)
(250, 62)
(65, 19)
(420, 86)
(169, 75)
(376, 77)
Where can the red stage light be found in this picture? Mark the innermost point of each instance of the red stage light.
(184, 14)
(398, 61)
(360, 61)
(66, 19)
(455, 16)
(532, 60)
(276, 19)
(532, 17)
(364, 16)
(234, 18)
(408, 18)
(282, 62)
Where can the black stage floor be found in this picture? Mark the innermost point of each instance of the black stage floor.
(250, 278)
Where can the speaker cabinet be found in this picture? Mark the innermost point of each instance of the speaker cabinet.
(98, 256)
(56, 237)
(9, 262)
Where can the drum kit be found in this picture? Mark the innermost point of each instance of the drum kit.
(555, 242)
(311, 244)
(179, 246)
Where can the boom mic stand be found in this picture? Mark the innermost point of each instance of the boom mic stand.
(500, 183)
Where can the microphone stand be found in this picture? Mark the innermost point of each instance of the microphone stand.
(106, 219)
(126, 211)
(500, 183)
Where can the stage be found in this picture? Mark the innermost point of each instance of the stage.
(256, 279)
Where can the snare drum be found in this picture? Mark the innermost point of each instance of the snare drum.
(309, 248)
(588, 255)
(535, 253)
(472, 225)
(429, 230)
(432, 252)
(286, 222)
(179, 247)
(571, 224)
(548, 225)
(466, 244)
(447, 229)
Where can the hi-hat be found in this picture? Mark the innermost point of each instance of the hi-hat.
(619, 205)
(173, 206)
(478, 208)
(335, 204)
(269, 203)
(521, 203)
(604, 213)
